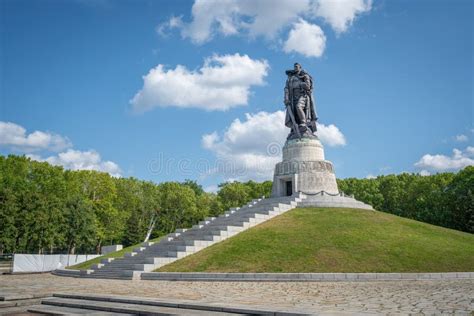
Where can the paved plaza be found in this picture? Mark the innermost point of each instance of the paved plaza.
(415, 297)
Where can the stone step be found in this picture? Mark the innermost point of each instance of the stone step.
(272, 212)
(116, 268)
(125, 264)
(113, 274)
(207, 232)
(159, 260)
(238, 220)
(186, 307)
(234, 225)
(122, 262)
(109, 277)
(148, 243)
(62, 310)
(228, 228)
(107, 260)
(9, 303)
(241, 223)
(146, 267)
(168, 247)
(204, 237)
(128, 307)
(157, 253)
(122, 307)
(126, 273)
(179, 254)
(189, 248)
(192, 242)
(97, 266)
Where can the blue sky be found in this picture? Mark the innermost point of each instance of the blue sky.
(394, 84)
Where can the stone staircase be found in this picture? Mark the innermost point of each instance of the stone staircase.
(150, 256)
(91, 304)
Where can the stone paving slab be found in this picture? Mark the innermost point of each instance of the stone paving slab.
(431, 296)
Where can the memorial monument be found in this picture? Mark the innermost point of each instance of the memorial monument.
(303, 167)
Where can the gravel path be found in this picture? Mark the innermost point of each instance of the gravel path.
(418, 297)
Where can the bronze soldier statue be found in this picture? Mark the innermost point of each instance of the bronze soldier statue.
(300, 115)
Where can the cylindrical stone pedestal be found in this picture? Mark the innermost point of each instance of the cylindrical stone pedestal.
(303, 169)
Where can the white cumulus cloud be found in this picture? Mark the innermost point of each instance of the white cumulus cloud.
(306, 39)
(439, 163)
(340, 14)
(249, 149)
(81, 160)
(268, 19)
(231, 17)
(331, 135)
(223, 82)
(15, 136)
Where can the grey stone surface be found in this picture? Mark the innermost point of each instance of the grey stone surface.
(305, 149)
(401, 297)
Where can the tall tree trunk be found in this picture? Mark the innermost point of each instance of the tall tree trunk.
(97, 249)
(151, 226)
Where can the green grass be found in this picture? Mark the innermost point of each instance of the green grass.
(116, 254)
(336, 240)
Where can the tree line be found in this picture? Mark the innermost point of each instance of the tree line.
(46, 209)
(443, 199)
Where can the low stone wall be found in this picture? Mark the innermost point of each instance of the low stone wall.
(111, 248)
(287, 277)
(67, 272)
(326, 200)
(302, 277)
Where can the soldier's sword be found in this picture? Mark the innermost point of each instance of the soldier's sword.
(292, 117)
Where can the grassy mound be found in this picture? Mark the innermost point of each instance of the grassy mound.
(116, 254)
(336, 240)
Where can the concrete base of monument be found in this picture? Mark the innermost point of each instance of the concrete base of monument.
(303, 169)
(323, 199)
